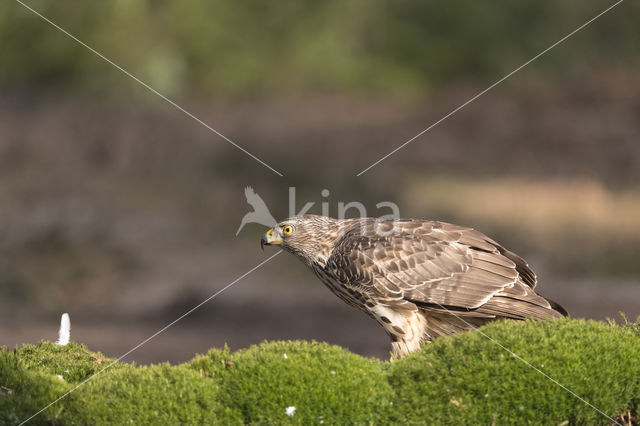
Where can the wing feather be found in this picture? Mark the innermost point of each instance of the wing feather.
(434, 263)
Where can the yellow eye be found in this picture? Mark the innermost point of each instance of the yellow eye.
(287, 230)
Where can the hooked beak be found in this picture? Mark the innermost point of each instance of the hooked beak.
(269, 239)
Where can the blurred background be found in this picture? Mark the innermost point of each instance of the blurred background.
(121, 210)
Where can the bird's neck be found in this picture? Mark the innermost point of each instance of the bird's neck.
(317, 259)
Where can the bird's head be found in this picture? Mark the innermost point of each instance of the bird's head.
(309, 237)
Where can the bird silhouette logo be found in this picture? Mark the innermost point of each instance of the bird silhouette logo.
(260, 213)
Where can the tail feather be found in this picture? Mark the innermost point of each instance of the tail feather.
(506, 307)
(558, 308)
(510, 304)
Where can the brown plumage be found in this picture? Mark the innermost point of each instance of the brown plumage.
(419, 279)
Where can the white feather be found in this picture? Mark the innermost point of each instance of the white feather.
(65, 330)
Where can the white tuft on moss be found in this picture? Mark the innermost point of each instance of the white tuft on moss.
(65, 330)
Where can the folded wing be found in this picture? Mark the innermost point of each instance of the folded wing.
(439, 267)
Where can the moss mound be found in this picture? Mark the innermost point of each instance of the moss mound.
(464, 379)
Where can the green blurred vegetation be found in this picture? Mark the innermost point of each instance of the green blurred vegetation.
(464, 379)
(400, 47)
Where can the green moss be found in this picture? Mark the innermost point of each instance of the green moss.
(323, 382)
(73, 362)
(474, 380)
(157, 394)
(464, 379)
(24, 391)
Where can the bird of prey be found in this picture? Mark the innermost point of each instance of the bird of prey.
(260, 213)
(419, 279)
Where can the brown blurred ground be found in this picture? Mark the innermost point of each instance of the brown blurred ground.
(124, 214)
